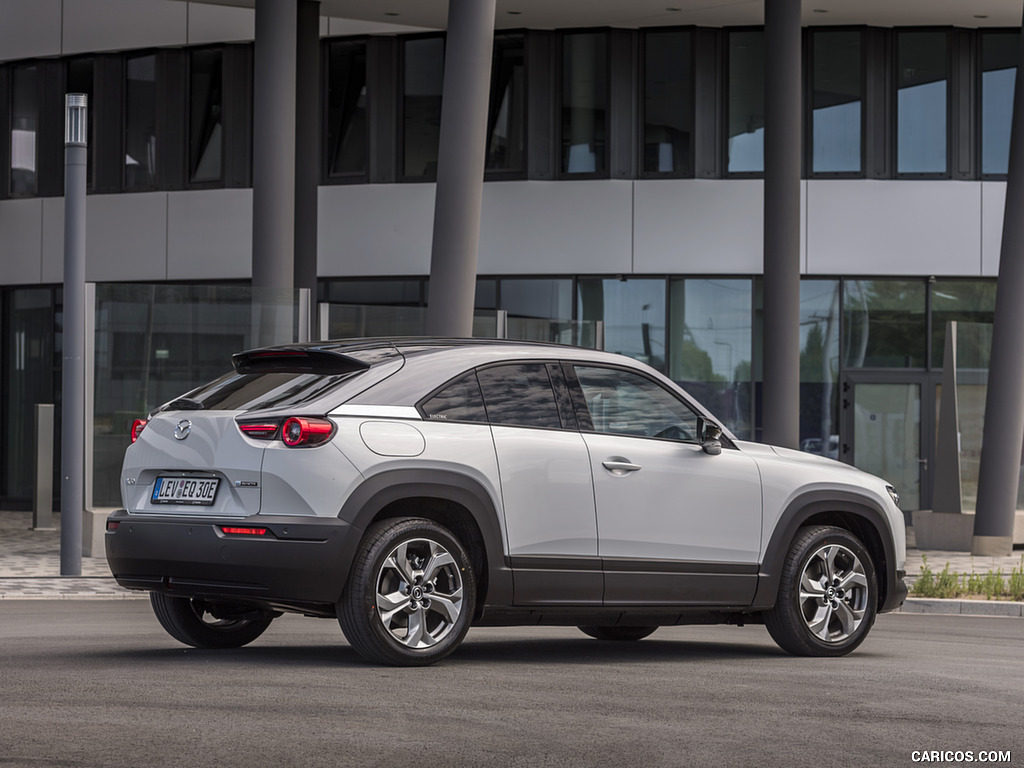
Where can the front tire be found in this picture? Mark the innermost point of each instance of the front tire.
(196, 623)
(828, 596)
(410, 597)
(619, 634)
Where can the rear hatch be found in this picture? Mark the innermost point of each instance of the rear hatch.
(193, 457)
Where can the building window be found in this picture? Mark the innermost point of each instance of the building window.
(206, 124)
(745, 102)
(633, 312)
(819, 367)
(884, 323)
(668, 103)
(965, 301)
(710, 333)
(584, 145)
(837, 98)
(140, 122)
(506, 114)
(998, 74)
(347, 146)
(24, 129)
(922, 85)
(423, 76)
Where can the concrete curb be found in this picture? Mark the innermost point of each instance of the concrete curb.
(963, 607)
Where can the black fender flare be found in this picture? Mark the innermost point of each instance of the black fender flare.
(375, 493)
(862, 514)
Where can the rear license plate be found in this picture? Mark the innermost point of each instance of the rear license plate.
(185, 490)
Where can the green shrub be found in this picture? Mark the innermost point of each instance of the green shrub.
(991, 585)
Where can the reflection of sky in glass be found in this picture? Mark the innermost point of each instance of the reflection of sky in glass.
(717, 319)
(634, 318)
(922, 128)
(746, 152)
(627, 404)
(837, 138)
(996, 109)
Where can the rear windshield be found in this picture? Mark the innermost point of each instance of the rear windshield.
(258, 391)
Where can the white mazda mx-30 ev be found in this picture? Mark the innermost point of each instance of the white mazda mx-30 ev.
(411, 488)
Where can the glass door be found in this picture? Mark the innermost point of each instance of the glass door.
(883, 435)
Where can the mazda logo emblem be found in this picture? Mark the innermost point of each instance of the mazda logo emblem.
(183, 429)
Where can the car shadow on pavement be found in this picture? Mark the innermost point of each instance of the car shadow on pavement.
(588, 651)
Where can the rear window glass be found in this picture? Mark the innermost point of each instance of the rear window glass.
(459, 400)
(253, 391)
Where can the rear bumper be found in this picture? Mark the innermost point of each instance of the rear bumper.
(298, 561)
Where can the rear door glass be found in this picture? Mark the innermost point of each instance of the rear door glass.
(520, 395)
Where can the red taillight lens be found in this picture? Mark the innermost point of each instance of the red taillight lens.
(299, 432)
(242, 531)
(137, 426)
(260, 430)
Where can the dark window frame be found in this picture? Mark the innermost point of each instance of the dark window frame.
(951, 101)
(690, 173)
(224, 139)
(723, 128)
(979, 71)
(327, 47)
(808, 69)
(559, 85)
(402, 177)
(493, 106)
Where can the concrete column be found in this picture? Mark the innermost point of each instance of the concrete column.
(273, 139)
(307, 143)
(1004, 406)
(460, 167)
(782, 163)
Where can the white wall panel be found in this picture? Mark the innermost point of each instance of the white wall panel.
(993, 203)
(864, 227)
(696, 226)
(220, 23)
(209, 234)
(375, 229)
(538, 227)
(126, 237)
(29, 29)
(106, 25)
(21, 223)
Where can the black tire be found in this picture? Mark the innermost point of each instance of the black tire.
(410, 597)
(617, 633)
(193, 622)
(834, 611)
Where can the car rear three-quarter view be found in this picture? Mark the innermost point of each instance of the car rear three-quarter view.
(411, 488)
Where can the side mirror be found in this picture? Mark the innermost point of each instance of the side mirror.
(709, 438)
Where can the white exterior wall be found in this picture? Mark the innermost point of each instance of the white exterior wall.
(686, 226)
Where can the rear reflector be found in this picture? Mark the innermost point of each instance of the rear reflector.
(112, 525)
(240, 531)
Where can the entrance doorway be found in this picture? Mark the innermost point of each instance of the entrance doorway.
(888, 428)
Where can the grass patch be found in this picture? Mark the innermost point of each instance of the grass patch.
(994, 585)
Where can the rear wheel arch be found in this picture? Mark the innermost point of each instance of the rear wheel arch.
(840, 510)
(454, 501)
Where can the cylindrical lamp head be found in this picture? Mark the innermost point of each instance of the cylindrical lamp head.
(75, 124)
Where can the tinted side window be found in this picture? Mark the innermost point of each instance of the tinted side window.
(459, 400)
(520, 395)
(626, 403)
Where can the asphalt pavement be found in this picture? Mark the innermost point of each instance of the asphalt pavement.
(30, 570)
(98, 684)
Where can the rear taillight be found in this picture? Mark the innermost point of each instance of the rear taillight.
(296, 432)
(260, 430)
(238, 530)
(137, 426)
(299, 432)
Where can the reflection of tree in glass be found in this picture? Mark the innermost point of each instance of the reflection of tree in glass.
(885, 323)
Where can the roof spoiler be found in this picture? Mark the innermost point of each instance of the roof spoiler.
(296, 360)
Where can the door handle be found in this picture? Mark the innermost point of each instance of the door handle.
(620, 466)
